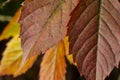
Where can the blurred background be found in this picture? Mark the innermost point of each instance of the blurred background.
(7, 11)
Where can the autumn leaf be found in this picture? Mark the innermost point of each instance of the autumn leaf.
(70, 59)
(94, 31)
(12, 57)
(12, 53)
(12, 29)
(53, 66)
(69, 56)
(43, 24)
(66, 44)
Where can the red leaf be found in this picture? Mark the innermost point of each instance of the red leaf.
(43, 24)
(94, 31)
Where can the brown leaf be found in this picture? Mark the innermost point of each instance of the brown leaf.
(43, 24)
(53, 66)
(94, 31)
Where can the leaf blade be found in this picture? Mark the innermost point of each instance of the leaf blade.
(12, 57)
(12, 29)
(40, 31)
(54, 64)
(93, 41)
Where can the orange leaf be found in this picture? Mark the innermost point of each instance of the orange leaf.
(12, 29)
(53, 66)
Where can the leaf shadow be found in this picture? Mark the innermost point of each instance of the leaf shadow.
(72, 72)
(115, 74)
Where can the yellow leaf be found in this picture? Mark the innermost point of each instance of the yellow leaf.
(12, 57)
(68, 55)
(66, 43)
(70, 59)
(12, 29)
(53, 66)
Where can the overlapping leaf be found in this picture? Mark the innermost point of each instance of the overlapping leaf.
(12, 56)
(94, 31)
(43, 24)
(68, 55)
(53, 66)
(12, 29)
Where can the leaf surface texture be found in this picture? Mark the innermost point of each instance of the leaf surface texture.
(94, 35)
(53, 66)
(43, 24)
